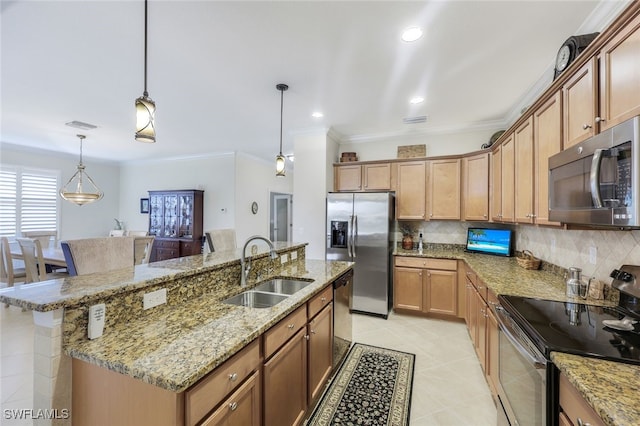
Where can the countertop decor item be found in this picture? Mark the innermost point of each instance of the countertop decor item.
(145, 107)
(372, 384)
(280, 159)
(527, 260)
(348, 157)
(570, 50)
(81, 189)
(412, 151)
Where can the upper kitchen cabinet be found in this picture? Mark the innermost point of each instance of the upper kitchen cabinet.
(495, 184)
(443, 193)
(502, 181)
(547, 141)
(475, 187)
(523, 153)
(411, 190)
(620, 76)
(579, 94)
(363, 177)
(175, 218)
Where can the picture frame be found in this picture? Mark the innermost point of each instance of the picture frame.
(144, 205)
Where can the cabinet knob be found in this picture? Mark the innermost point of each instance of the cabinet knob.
(233, 406)
(430, 214)
(306, 336)
(324, 299)
(233, 377)
(484, 215)
(581, 423)
(586, 126)
(600, 119)
(313, 332)
(290, 326)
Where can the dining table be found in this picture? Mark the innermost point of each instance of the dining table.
(50, 255)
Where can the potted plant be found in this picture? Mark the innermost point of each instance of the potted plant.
(407, 230)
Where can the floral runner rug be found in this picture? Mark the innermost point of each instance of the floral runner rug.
(372, 387)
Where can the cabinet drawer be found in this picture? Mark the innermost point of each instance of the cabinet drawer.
(166, 244)
(277, 335)
(575, 406)
(189, 248)
(319, 301)
(164, 254)
(427, 263)
(201, 398)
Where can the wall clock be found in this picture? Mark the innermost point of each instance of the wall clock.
(254, 207)
(570, 50)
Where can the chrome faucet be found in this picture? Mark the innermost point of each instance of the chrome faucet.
(245, 266)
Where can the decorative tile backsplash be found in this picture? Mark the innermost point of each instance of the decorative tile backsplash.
(564, 248)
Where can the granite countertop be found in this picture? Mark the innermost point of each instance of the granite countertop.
(610, 388)
(174, 346)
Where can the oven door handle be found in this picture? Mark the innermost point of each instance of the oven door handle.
(538, 361)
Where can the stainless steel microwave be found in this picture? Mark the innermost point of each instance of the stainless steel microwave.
(596, 182)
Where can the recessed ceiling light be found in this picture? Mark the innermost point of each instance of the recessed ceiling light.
(317, 115)
(416, 100)
(411, 34)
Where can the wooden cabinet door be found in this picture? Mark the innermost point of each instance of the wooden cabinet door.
(411, 190)
(377, 177)
(472, 312)
(579, 95)
(407, 288)
(444, 189)
(285, 383)
(320, 332)
(348, 178)
(441, 292)
(475, 187)
(495, 192)
(481, 330)
(523, 155)
(620, 76)
(547, 141)
(241, 408)
(507, 182)
(493, 348)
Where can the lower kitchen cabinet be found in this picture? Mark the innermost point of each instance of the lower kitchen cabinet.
(241, 408)
(285, 383)
(425, 285)
(574, 410)
(320, 332)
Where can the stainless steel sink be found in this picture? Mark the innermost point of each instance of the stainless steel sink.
(256, 299)
(282, 286)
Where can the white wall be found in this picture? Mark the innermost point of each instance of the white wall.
(436, 144)
(214, 174)
(310, 186)
(255, 179)
(90, 220)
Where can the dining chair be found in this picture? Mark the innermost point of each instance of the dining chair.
(137, 233)
(9, 274)
(34, 265)
(46, 238)
(221, 239)
(102, 254)
(142, 247)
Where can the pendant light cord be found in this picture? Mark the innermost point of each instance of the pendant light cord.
(281, 110)
(145, 50)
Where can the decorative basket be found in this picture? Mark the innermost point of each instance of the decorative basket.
(527, 260)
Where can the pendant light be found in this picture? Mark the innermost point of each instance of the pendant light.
(81, 189)
(280, 159)
(145, 107)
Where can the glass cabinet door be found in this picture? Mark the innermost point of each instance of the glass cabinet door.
(156, 215)
(170, 216)
(186, 210)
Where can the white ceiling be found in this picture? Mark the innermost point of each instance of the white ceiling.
(213, 67)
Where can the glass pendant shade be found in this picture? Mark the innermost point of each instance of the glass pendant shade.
(81, 189)
(145, 119)
(280, 165)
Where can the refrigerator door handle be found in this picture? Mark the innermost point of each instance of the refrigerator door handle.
(350, 237)
(355, 235)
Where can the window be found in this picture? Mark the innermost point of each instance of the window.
(28, 200)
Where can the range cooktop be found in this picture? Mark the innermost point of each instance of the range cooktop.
(603, 332)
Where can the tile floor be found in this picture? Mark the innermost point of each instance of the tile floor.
(448, 386)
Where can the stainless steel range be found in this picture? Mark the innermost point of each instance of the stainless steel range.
(530, 329)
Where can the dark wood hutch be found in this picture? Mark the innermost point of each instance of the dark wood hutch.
(175, 218)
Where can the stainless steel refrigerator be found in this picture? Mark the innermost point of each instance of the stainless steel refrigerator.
(359, 230)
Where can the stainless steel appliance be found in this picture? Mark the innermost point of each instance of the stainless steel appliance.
(359, 230)
(597, 182)
(342, 325)
(530, 329)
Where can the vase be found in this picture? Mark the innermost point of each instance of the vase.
(407, 242)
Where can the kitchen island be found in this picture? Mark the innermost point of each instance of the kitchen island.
(610, 388)
(171, 346)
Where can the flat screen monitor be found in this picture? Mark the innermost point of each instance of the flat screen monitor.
(490, 241)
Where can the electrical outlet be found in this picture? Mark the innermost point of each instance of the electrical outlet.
(283, 259)
(154, 298)
(593, 255)
(294, 255)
